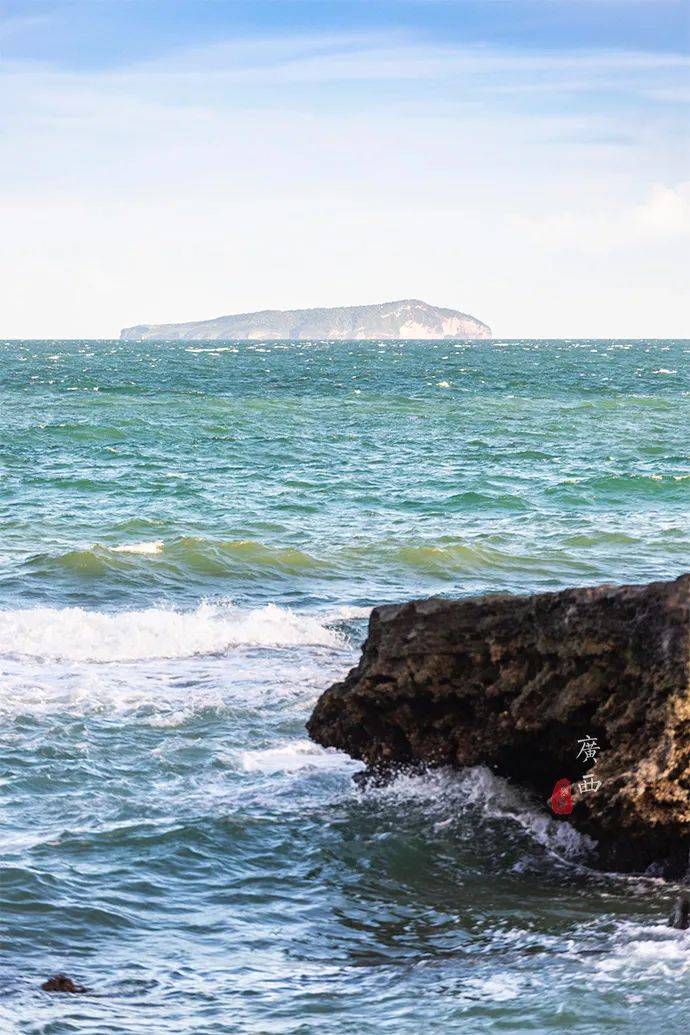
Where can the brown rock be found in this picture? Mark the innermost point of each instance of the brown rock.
(514, 682)
(62, 983)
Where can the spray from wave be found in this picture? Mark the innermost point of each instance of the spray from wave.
(447, 796)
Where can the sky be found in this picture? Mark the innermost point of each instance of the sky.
(524, 161)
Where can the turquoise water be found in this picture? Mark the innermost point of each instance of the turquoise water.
(192, 537)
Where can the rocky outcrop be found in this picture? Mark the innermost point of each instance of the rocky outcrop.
(63, 984)
(519, 683)
(407, 319)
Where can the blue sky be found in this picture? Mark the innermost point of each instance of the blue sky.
(110, 33)
(528, 162)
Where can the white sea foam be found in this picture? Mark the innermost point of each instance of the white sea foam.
(349, 611)
(153, 547)
(294, 756)
(74, 634)
(647, 951)
(167, 693)
(214, 351)
(445, 790)
(497, 988)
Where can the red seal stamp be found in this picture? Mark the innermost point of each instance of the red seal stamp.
(561, 799)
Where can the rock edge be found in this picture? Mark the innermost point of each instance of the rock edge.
(514, 682)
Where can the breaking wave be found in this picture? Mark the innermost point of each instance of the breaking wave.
(446, 796)
(194, 554)
(146, 548)
(296, 756)
(75, 634)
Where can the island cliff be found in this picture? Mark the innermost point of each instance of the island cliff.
(517, 682)
(409, 318)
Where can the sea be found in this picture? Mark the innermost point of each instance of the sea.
(192, 537)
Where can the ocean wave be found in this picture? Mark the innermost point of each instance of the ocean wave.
(195, 554)
(75, 634)
(250, 561)
(448, 560)
(210, 555)
(623, 486)
(448, 791)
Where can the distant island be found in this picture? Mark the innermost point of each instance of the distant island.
(408, 318)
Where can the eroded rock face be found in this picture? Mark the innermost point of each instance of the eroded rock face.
(517, 682)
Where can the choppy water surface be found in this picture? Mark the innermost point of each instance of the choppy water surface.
(191, 538)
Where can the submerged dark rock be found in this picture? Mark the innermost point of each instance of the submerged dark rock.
(516, 682)
(680, 917)
(62, 983)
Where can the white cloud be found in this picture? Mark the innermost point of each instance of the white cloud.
(661, 219)
(666, 212)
